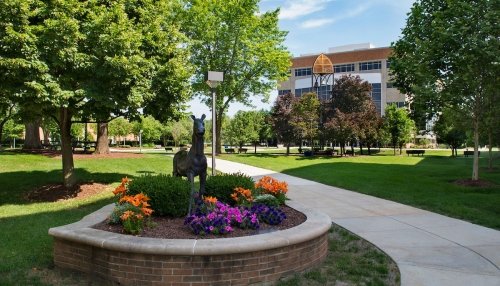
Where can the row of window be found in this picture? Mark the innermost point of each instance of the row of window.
(399, 104)
(364, 66)
(303, 72)
(343, 68)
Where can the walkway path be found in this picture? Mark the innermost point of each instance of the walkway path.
(430, 249)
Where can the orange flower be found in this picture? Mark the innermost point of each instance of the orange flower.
(146, 211)
(210, 200)
(272, 186)
(120, 190)
(125, 180)
(126, 215)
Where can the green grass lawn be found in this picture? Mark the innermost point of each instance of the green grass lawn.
(26, 248)
(425, 182)
(25, 244)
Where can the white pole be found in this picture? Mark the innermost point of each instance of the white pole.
(140, 141)
(214, 135)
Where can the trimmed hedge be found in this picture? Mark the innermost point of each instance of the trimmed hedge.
(222, 186)
(169, 195)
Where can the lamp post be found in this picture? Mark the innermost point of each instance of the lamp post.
(213, 80)
(140, 141)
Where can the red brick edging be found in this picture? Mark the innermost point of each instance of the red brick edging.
(129, 260)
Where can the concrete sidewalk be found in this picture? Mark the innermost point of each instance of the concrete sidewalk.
(430, 249)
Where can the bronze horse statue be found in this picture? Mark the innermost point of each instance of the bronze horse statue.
(193, 163)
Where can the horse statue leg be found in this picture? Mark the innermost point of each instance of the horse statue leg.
(190, 177)
(203, 179)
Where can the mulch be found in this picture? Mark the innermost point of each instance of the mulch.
(174, 228)
(58, 192)
(476, 184)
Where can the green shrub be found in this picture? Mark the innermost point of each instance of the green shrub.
(114, 218)
(222, 186)
(169, 195)
(267, 199)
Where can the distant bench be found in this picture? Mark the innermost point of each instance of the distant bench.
(471, 153)
(229, 150)
(415, 152)
(169, 149)
(242, 150)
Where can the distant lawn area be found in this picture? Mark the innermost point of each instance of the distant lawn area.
(425, 182)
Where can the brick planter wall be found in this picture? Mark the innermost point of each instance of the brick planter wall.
(259, 259)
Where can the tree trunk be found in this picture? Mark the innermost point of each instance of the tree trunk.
(32, 136)
(2, 123)
(102, 145)
(255, 150)
(490, 150)
(360, 148)
(287, 149)
(475, 165)
(369, 150)
(69, 177)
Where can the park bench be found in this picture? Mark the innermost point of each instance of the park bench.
(242, 150)
(349, 152)
(468, 153)
(167, 149)
(229, 150)
(417, 152)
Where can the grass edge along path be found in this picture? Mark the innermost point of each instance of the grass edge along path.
(426, 182)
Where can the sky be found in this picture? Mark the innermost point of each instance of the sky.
(315, 25)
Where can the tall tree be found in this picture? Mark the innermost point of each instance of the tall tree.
(399, 126)
(305, 116)
(235, 38)
(90, 59)
(148, 128)
(351, 113)
(450, 130)
(281, 119)
(119, 127)
(245, 127)
(448, 57)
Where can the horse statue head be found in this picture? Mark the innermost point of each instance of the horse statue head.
(198, 125)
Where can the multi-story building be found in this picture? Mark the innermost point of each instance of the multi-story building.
(315, 73)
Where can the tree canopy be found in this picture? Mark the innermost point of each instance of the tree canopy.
(398, 126)
(233, 37)
(281, 119)
(448, 56)
(93, 59)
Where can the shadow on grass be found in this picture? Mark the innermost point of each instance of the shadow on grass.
(26, 246)
(14, 185)
(429, 184)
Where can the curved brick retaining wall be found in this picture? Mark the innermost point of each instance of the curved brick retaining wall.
(130, 260)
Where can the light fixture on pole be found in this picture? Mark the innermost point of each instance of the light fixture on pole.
(140, 141)
(213, 80)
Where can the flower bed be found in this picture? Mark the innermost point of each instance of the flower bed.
(131, 260)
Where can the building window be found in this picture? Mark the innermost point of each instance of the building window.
(390, 84)
(366, 66)
(303, 72)
(376, 95)
(300, 91)
(399, 104)
(324, 92)
(388, 64)
(284, 91)
(343, 68)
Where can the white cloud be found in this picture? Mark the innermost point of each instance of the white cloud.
(298, 8)
(316, 23)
